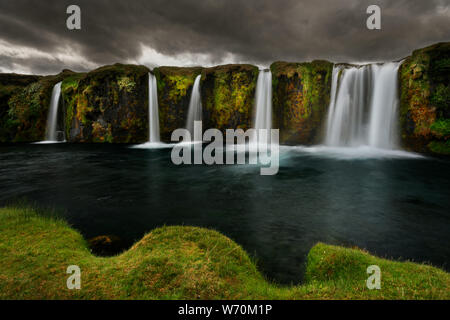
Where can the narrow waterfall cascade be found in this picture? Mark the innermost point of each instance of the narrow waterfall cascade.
(153, 113)
(263, 102)
(51, 133)
(195, 107)
(364, 106)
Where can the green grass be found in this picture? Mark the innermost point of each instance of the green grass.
(186, 263)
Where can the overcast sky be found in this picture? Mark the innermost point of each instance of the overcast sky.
(34, 37)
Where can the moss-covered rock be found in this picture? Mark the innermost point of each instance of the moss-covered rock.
(28, 108)
(301, 95)
(174, 92)
(106, 245)
(10, 84)
(109, 104)
(425, 100)
(228, 95)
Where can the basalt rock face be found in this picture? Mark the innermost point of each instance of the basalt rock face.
(425, 100)
(174, 92)
(28, 108)
(301, 95)
(11, 84)
(109, 104)
(228, 96)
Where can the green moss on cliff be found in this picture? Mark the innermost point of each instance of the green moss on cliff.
(28, 108)
(228, 95)
(109, 104)
(174, 92)
(425, 99)
(301, 94)
(10, 85)
(69, 89)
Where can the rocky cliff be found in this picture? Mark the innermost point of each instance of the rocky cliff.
(301, 94)
(228, 95)
(109, 104)
(10, 85)
(28, 108)
(425, 100)
(174, 92)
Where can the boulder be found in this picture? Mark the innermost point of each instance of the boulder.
(106, 245)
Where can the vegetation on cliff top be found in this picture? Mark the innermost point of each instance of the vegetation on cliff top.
(186, 263)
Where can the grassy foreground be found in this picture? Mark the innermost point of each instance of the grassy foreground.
(186, 263)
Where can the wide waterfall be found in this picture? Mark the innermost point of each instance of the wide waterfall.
(263, 102)
(51, 133)
(363, 107)
(153, 113)
(195, 107)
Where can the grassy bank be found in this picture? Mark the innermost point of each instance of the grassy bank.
(186, 263)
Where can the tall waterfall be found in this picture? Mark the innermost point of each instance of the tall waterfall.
(51, 133)
(195, 107)
(153, 113)
(263, 114)
(363, 106)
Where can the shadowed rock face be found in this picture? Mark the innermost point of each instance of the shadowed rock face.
(10, 84)
(109, 104)
(301, 95)
(228, 96)
(425, 100)
(174, 91)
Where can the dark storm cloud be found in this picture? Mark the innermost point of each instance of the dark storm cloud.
(256, 31)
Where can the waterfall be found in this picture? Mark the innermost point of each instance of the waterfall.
(153, 116)
(383, 117)
(52, 119)
(195, 107)
(363, 106)
(263, 102)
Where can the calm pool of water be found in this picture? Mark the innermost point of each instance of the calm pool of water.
(392, 207)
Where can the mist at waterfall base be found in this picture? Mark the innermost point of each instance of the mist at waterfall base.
(395, 207)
